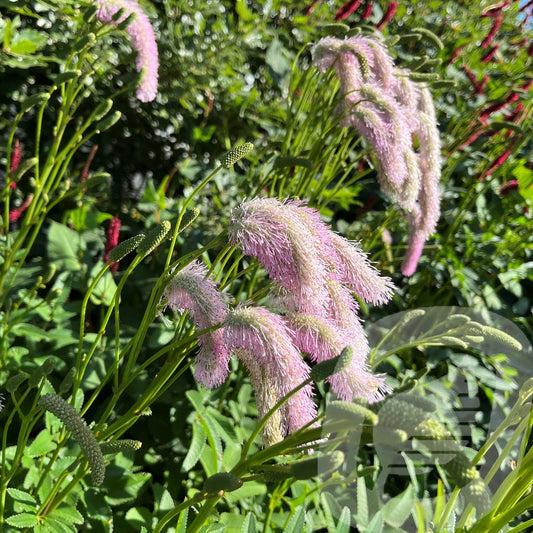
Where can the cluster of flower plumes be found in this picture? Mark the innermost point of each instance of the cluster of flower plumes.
(311, 311)
(142, 39)
(390, 111)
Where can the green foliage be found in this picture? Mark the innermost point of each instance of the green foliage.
(89, 342)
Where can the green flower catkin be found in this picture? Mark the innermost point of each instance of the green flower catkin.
(325, 464)
(350, 413)
(14, 382)
(188, 218)
(121, 445)
(497, 335)
(399, 414)
(153, 238)
(124, 248)
(224, 481)
(80, 431)
(325, 369)
(236, 154)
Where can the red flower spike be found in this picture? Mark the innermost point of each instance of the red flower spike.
(15, 156)
(347, 9)
(387, 16)
(15, 214)
(508, 187)
(493, 31)
(455, 54)
(490, 54)
(368, 11)
(112, 240)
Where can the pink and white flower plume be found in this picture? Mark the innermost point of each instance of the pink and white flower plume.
(142, 39)
(389, 110)
(263, 342)
(190, 289)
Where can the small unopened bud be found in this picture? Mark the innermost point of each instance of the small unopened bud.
(67, 382)
(48, 366)
(223, 481)
(350, 413)
(121, 445)
(325, 369)
(14, 382)
(236, 154)
(125, 247)
(153, 238)
(108, 121)
(188, 218)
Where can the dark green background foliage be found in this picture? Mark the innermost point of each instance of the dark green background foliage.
(232, 72)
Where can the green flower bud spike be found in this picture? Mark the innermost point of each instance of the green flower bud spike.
(125, 247)
(325, 464)
(325, 369)
(188, 218)
(350, 414)
(497, 335)
(223, 481)
(80, 431)
(153, 238)
(236, 154)
(14, 382)
(68, 381)
(121, 445)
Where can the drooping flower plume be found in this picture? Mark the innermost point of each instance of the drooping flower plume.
(142, 39)
(275, 233)
(305, 258)
(323, 339)
(263, 342)
(390, 110)
(190, 289)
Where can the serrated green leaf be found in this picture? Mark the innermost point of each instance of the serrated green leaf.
(249, 525)
(67, 513)
(41, 445)
(396, 511)
(22, 520)
(343, 526)
(57, 525)
(362, 503)
(196, 399)
(223, 425)
(296, 522)
(105, 289)
(22, 500)
(182, 521)
(139, 516)
(375, 525)
(196, 446)
(64, 247)
(213, 438)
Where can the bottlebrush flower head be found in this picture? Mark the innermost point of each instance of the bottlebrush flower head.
(323, 339)
(389, 110)
(263, 342)
(142, 39)
(190, 289)
(111, 242)
(355, 271)
(16, 155)
(286, 244)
